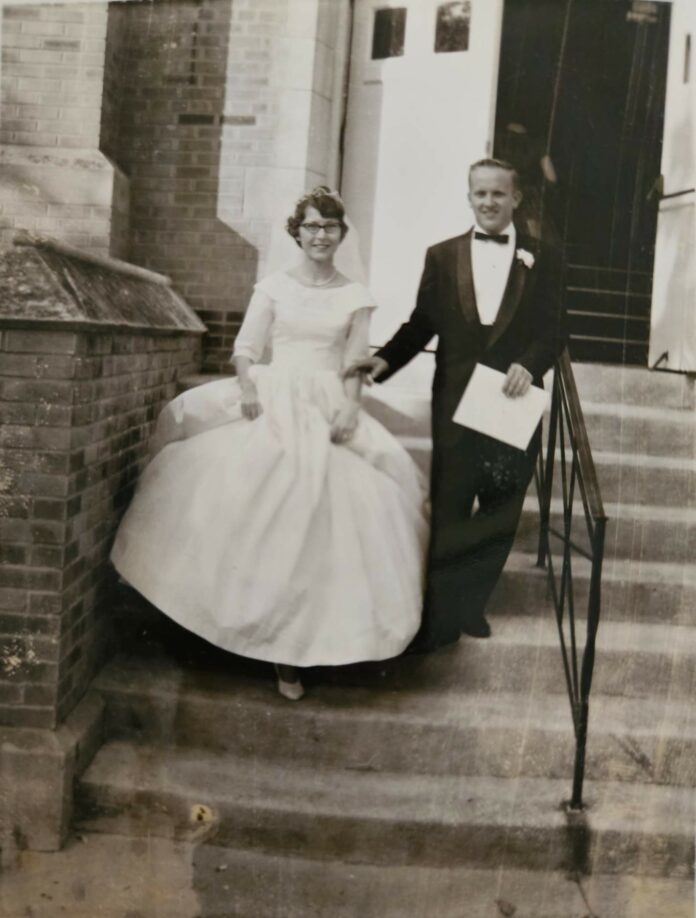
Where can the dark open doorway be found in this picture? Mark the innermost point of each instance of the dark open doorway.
(580, 110)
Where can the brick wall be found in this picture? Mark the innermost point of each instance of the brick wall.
(115, 81)
(170, 138)
(76, 411)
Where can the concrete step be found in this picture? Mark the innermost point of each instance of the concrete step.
(422, 732)
(632, 591)
(391, 819)
(634, 429)
(626, 478)
(637, 660)
(634, 386)
(604, 383)
(611, 426)
(634, 660)
(257, 885)
(623, 478)
(633, 531)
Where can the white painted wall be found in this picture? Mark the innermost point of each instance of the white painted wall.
(415, 123)
(673, 317)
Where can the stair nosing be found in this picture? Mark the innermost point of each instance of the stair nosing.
(400, 796)
(502, 710)
(617, 512)
(620, 570)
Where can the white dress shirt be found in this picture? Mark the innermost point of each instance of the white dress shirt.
(490, 265)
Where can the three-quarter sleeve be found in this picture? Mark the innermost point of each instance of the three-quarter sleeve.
(358, 339)
(253, 335)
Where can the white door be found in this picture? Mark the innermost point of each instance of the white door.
(417, 116)
(673, 316)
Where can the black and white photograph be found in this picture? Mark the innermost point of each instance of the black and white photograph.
(347, 459)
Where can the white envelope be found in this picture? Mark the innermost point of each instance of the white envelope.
(485, 408)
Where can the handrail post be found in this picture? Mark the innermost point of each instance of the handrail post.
(588, 658)
(547, 476)
(566, 413)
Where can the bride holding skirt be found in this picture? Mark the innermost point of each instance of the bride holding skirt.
(277, 519)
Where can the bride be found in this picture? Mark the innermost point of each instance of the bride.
(277, 519)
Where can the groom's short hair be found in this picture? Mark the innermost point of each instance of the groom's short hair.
(491, 163)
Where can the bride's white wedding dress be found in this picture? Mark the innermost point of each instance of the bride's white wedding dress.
(264, 537)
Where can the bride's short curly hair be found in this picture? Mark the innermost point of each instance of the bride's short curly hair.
(323, 199)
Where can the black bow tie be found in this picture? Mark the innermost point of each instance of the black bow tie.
(501, 238)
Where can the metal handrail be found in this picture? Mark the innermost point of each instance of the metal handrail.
(569, 456)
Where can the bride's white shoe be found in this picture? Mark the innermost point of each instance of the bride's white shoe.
(292, 690)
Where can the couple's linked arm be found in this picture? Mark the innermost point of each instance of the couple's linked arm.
(547, 340)
(413, 336)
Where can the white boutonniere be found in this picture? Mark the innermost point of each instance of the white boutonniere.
(525, 257)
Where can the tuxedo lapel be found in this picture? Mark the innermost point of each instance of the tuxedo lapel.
(511, 298)
(465, 279)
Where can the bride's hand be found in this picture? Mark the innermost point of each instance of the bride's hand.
(251, 407)
(344, 423)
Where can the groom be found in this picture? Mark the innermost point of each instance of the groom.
(492, 296)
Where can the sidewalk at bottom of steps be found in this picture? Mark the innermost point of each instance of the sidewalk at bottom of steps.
(109, 876)
(423, 820)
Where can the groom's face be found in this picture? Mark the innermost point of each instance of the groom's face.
(493, 197)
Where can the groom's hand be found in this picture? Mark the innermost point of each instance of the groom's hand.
(367, 368)
(517, 381)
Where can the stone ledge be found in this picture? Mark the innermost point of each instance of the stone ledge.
(43, 280)
(38, 769)
(23, 237)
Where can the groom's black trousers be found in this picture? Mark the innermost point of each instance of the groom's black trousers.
(470, 545)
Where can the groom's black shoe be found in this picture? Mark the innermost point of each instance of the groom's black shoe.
(421, 645)
(479, 628)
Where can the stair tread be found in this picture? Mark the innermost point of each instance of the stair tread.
(614, 569)
(643, 460)
(677, 642)
(642, 717)
(685, 516)
(197, 776)
(602, 457)
(411, 404)
(636, 637)
(654, 413)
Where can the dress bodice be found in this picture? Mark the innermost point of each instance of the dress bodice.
(308, 328)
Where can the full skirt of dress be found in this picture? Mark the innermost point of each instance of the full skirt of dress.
(268, 540)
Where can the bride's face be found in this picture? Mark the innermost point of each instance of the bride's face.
(319, 236)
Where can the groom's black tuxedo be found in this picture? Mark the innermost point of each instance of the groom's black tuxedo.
(468, 551)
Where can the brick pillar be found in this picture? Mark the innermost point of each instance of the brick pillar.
(53, 178)
(78, 399)
(168, 139)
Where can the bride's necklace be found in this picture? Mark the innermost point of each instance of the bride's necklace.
(321, 283)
